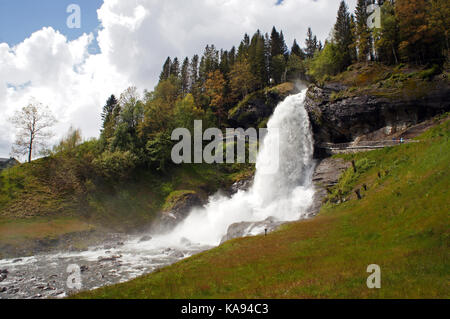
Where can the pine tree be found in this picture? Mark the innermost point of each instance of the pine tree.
(310, 43)
(362, 30)
(209, 62)
(277, 44)
(224, 65)
(194, 70)
(320, 46)
(242, 53)
(175, 68)
(343, 34)
(232, 56)
(297, 50)
(257, 58)
(165, 73)
(283, 46)
(107, 113)
(278, 52)
(185, 86)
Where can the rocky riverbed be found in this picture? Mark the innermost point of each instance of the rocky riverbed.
(46, 275)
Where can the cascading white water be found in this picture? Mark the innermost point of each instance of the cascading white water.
(284, 194)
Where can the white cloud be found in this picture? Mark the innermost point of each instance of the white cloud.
(135, 39)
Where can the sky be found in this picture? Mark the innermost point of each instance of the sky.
(121, 43)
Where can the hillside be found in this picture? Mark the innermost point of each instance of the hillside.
(38, 214)
(401, 224)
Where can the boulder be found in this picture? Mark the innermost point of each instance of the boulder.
(145, 238)
(180, 206)
(244, 229)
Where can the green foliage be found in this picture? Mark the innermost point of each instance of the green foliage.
(329, 61)
(115, 165)
(159, 150)
(174, 197)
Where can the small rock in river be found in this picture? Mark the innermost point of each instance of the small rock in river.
(177, 254)
(145, 238)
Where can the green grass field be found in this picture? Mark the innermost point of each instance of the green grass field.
(400, 224)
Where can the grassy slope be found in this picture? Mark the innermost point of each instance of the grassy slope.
(400, 224)
(392, 82)
(30, 210)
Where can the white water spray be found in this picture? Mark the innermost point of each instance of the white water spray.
(284, 195)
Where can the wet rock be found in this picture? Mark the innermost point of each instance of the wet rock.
(3, 271)
(3, 289)
(185, 241)
(48, 288)
(120, 243)
(326, 175)
(17, 260)
(177, 254)
(244, 229)
(109, 258)
(145, 238)
(242, 185)
(3, 277)
(180, 209)
(84, 268)
(13, 290)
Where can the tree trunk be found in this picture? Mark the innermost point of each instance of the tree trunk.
(395, 55)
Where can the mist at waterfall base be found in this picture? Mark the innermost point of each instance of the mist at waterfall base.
(283, 195)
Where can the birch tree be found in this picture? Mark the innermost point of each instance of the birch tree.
(33, 123)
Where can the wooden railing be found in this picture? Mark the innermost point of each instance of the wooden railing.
(364, 144)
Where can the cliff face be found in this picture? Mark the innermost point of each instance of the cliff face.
(366, 116)
(257, 107)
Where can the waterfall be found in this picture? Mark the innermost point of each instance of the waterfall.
(284, 193)
(282, 190)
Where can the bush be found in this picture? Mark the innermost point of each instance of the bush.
(117, 164)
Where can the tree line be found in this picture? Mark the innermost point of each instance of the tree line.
(136, 129)
(410, 31)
